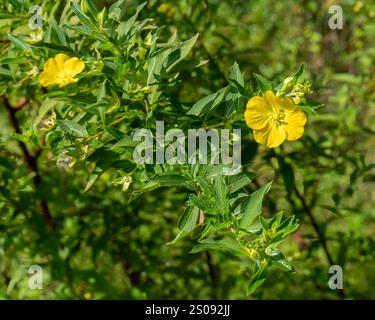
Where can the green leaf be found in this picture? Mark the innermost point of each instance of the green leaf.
(208, 103)
(264, 83)
(170, 180)
(205, 245)
(128, 25)
(19, 43)
(187, 223)
(230, 245)
(84, 19)
(220, 190)
(236, 74)
(239, 181)
(89, 7)
(169, 58)
(234, 101)
(73, 128)
(205, 184)
(167, 180)
(259, 276)
(279, 261)
(237, 95)
(87, 31)
(254, 206)
(288, 175)
(125, 142)
(155, 65)
(201, 202)
(114, 8)
(180, 52)
(300, 75)
(100, 97)
(53, 138)
(54, 47)
(124, 165)
(97, 172)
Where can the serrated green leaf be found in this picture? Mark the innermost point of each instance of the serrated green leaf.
(220, 191)
(239, 181)
(201, 202)
(73, 128)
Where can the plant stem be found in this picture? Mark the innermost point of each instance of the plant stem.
(213, 274)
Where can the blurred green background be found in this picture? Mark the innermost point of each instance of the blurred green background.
(106, 248)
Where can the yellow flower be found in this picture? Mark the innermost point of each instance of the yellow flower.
(274, 119)
(61, 70)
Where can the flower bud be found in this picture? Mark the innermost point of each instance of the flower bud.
(48, 123)
(253, 254)
(126, 181)
(65, 161)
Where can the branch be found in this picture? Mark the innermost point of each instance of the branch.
(315, 225)
(30, 160)
(320, 234)
(213, 273)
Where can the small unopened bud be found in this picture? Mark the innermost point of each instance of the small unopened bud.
(33, 71)
(297, 99)
(35, 36)
(253, 253)
(288, 83)
(83, 152)
(201, 218)
(127, 180)
(148, 40)
(231, 229)
(47, 123)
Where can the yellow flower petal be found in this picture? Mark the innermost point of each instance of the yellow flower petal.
(46, 78)
(60, 60)
(255, 114)
(255, 119)
(271, 99)
(74, 65)
(276, 137)
(295, 118)
(257, 103)
(261, 136)
(293, 132)
(63, 83)
(51, 65)
(287, 103)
